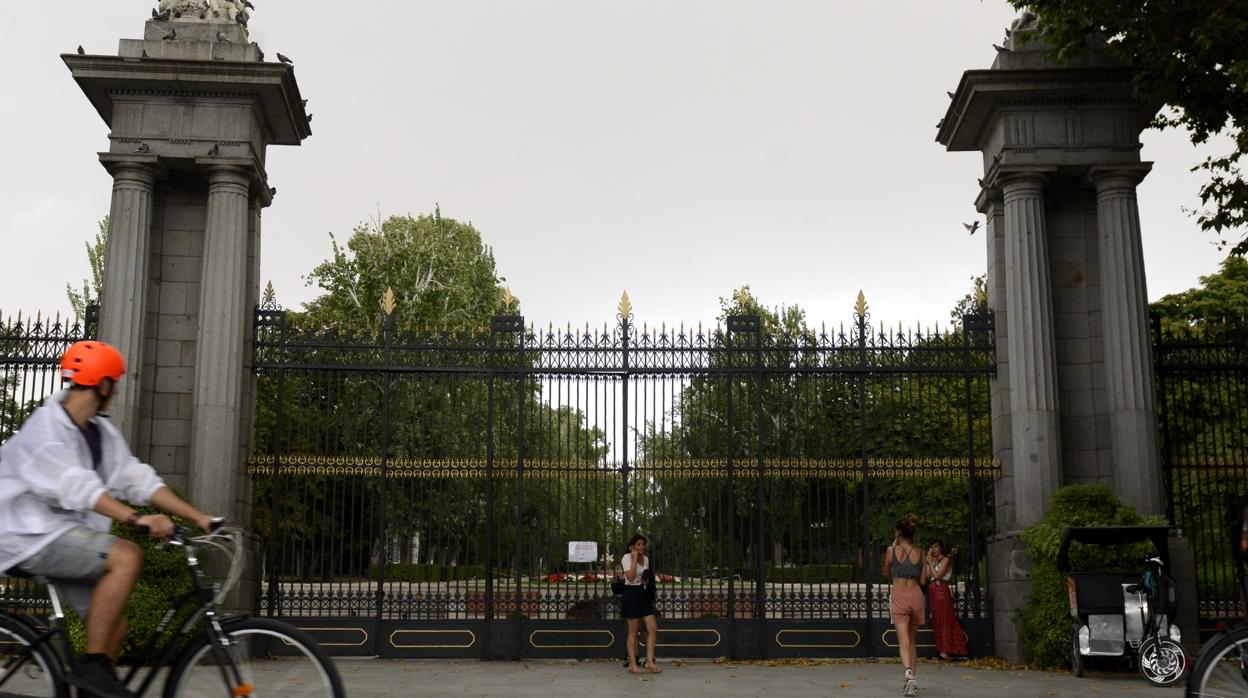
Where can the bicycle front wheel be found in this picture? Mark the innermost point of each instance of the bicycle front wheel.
(27, 669)
(265, 658)
(1221, 670)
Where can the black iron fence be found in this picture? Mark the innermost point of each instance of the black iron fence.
(1202, 378)
(469, 493)
(30, 355)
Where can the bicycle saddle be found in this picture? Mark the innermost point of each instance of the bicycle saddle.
(1133, 588)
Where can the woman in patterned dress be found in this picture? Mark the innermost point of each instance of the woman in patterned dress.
(950, 642)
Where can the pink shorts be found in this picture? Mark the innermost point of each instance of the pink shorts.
(907, 604)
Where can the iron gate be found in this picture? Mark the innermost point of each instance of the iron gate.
(418, 489)
(1202, 386)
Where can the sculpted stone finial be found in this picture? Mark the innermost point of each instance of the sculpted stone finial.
(221, 11)
(1022, 30)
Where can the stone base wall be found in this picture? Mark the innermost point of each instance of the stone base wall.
(1010, 592)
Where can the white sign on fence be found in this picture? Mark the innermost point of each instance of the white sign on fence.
(582, 551)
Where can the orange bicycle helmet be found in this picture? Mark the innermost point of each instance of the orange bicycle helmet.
(85, 363)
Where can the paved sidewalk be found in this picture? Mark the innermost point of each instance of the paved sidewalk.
(371, 678)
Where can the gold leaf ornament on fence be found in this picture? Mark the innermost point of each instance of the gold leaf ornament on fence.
(387, 302)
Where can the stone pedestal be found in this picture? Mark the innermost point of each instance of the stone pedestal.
(1008, 570)
(1073, 398)
(191, 109)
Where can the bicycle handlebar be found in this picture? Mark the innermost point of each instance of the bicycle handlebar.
(181, 534)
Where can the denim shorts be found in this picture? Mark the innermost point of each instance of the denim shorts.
(74, 561)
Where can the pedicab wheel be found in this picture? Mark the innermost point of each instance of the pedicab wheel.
(1078, 663)
(1162, 661)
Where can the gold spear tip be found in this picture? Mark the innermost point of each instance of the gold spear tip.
(387, 301)
(626, 306)
(743, 295)
(508, 299)
(269, 293)
(861, 306)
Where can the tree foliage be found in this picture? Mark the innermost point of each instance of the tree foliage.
(93, 288)
(1189, 56)
(445, 288)
(1217, 309)
(438, 268)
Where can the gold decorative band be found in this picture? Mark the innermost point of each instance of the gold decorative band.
(301, 465)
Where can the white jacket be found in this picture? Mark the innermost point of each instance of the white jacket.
(47, 484)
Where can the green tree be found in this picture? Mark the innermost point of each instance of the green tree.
(1189, 56)
(439, 283)
(93, 288)
(1216, 309)
(440, 271)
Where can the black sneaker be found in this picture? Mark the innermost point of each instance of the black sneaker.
(98, 679)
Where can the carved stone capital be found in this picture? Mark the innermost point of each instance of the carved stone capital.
(137, 169)
(1117, 180)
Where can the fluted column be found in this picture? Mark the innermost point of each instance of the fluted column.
(220, 342)
(1128, 351)
(124, 302)
(1035, 426)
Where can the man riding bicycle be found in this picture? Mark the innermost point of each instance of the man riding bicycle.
(63, 477)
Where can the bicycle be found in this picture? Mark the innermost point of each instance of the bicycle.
(1161, 658)
(210, 654)
(1221, 668)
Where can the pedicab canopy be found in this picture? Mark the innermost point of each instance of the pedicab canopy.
(1113, 535)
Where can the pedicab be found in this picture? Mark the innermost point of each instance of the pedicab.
(1126, 615)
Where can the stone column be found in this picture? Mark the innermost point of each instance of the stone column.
(1035, 425)
(220, 341)
(1128, 351)
(124, 303)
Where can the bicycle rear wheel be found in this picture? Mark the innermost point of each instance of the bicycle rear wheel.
(27, 670)
(1221, 670)
(270, 657)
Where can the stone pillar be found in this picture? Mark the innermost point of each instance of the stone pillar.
(220, 341)
(1035, 421)
(124, 303)
(1128, 349)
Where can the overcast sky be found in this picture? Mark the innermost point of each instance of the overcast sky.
(674, 148)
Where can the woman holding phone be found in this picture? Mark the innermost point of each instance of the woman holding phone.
(638, 603)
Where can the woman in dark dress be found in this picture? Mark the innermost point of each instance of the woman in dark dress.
(637, 606)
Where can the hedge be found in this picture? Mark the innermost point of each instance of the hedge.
(429, 573)
(1047, 622)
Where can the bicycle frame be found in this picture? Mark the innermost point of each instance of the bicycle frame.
(202, 597)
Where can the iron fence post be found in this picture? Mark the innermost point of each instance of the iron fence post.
(625, 328)
(383, 552)
(521, 440)
(1159, 367)
(730, 376)
(491, 359)
(972, 574)
(760, 589)
(867, 546)
(275, 483)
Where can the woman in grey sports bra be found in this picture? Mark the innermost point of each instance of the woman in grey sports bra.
(906, 564)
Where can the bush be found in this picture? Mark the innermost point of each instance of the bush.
(1047, 621)
(416, 573)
